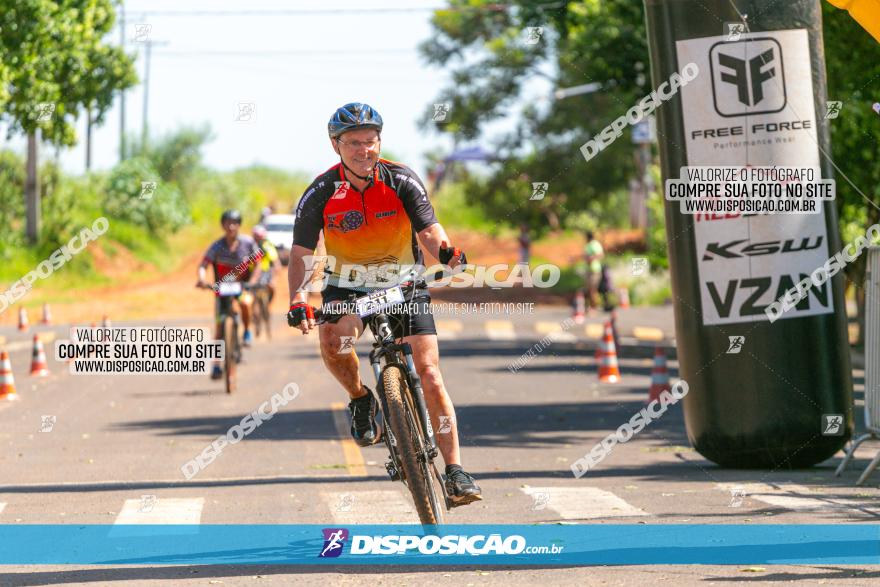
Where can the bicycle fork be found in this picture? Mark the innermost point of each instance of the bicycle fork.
(388, 350)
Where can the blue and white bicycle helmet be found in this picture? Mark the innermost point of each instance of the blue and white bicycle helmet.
(353, 116)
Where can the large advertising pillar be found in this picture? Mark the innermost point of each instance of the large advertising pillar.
(762, 394)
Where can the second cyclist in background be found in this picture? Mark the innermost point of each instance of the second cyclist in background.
(233, 257)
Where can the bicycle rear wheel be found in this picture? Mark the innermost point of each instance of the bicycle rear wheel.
(403, 424)
(229, 335)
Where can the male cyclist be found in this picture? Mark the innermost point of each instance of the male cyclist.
(374, 213)
(269, 261)
(233, 257)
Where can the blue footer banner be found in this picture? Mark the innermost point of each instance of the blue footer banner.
(616, 544)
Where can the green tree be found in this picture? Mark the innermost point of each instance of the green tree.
(56, 64)
(854, 78)
(604, 41)
(177, 155)
(163, 210)
(11, 202)
(484, 44)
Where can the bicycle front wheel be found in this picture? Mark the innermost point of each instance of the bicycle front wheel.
(409, 442)
(229, 353)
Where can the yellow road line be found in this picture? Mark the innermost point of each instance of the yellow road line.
(447, 329)
(596, 331)
(354, 460)
(450, 325)
(646, 333)
(547, 327)
(500, 330)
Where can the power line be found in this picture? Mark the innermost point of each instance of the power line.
(307, 12)
(259, 53)
(330, 11)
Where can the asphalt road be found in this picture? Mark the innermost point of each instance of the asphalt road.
(113, 452)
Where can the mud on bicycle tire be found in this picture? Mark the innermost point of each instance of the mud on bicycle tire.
(394, 386)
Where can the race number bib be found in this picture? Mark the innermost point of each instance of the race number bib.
(379, 300)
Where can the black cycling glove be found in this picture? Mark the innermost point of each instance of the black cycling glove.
(298, 312)
(447, 253)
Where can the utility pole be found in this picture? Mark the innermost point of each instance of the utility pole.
(89, 138)
(146, 117)
(144, 128)
(32, 189)
(122, 92)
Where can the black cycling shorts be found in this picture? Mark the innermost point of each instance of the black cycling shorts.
(409, 318)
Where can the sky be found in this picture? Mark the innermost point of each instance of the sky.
(296, 62)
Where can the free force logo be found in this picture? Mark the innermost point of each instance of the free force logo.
(334, 541)
(747, 77)
(744, 261)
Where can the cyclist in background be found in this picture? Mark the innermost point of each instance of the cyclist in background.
(233, 257)
(269, 262)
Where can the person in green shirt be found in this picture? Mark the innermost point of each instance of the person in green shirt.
(593, 254)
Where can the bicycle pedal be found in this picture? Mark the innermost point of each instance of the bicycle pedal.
(464, 501)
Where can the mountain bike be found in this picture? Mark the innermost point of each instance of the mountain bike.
(227, 316)
(406, 424)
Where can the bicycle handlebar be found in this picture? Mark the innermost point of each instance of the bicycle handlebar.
(406, 288)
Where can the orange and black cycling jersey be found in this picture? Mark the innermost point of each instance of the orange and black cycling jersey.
(366, 232)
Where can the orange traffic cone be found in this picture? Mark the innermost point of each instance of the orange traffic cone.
(659, 375)
(608, 370)
(47, 315)
(7, 381)
(624, 297)
(39, 367)
(579, 307)
(22, 319)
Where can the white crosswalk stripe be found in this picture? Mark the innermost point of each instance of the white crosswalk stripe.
(792, 497)
(153, 510)
(370, 507)
(581, 503)
(2, 506)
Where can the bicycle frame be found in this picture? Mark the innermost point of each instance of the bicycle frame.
(384, 348)
(388, 354)
(227, 308)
